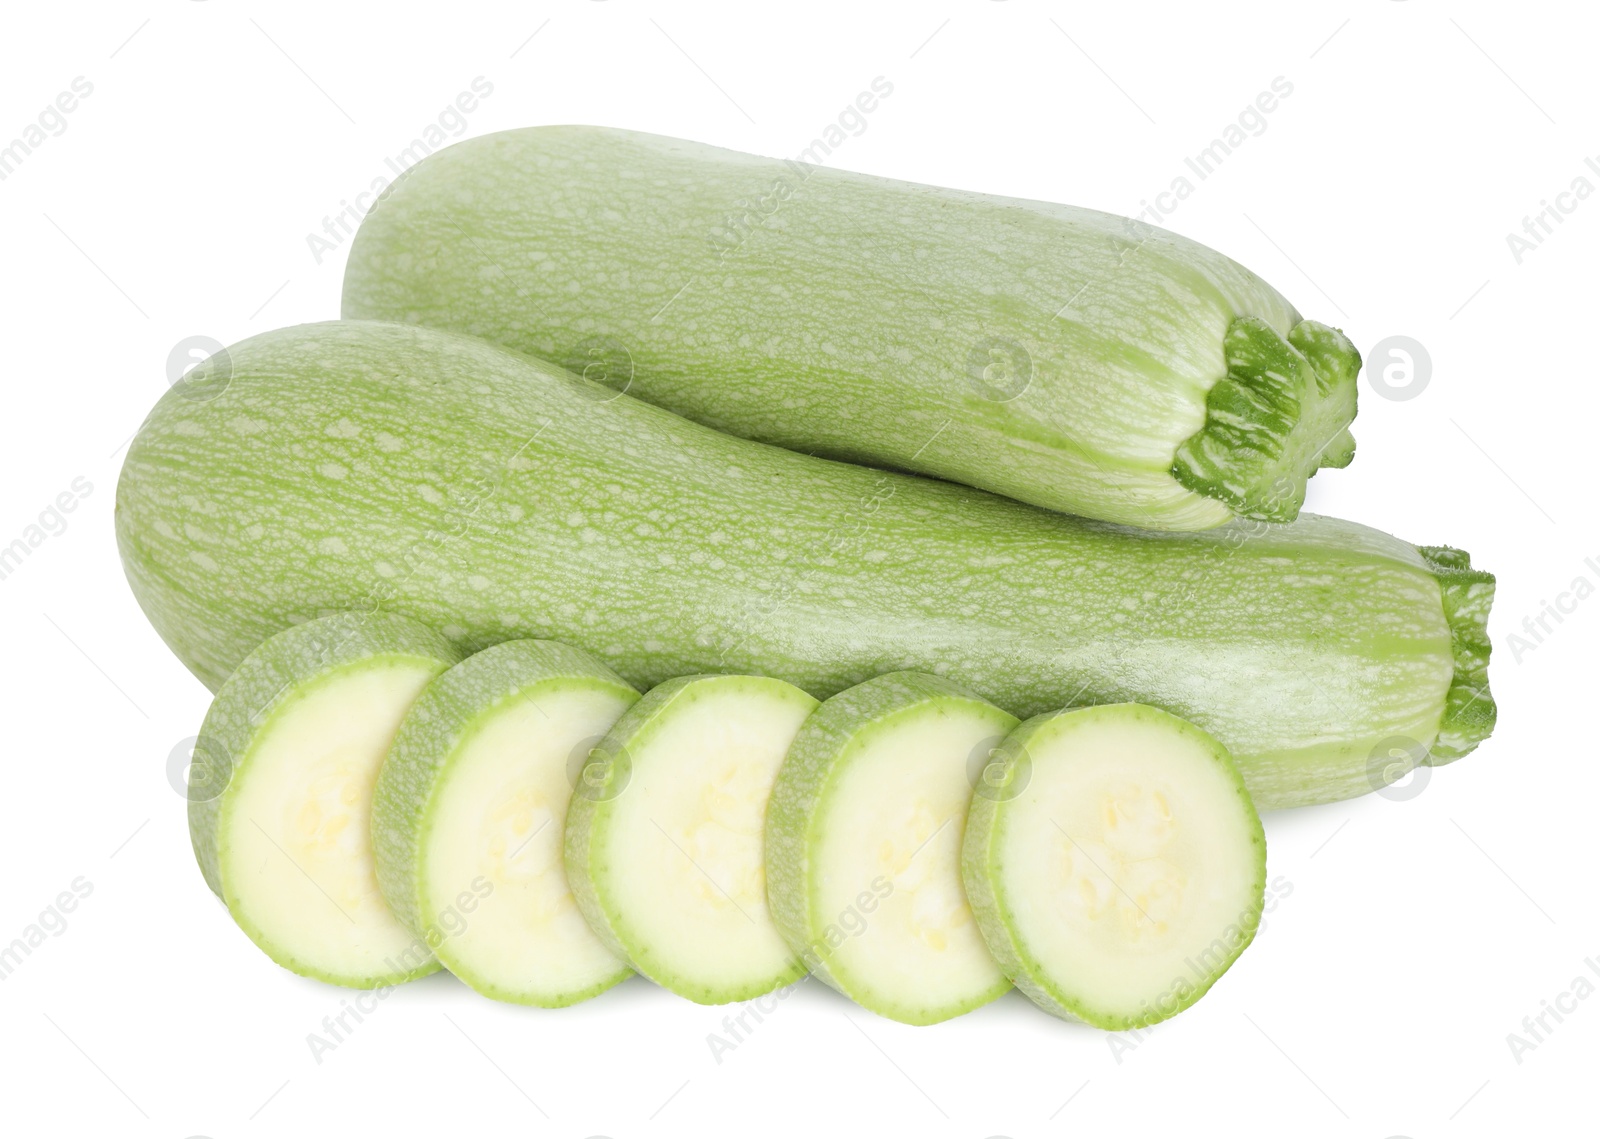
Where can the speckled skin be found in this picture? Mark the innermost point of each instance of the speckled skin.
(1056, 355)
(831, 738)
(281, 670)
(351, 466)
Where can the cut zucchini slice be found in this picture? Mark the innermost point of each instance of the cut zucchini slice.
(1116, 864)
(664, 835)
(864, 839)
(281, 791)
(470, 812)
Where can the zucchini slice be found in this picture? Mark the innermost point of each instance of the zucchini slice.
(1119, 868)
(279, 806)
(864, 841)
(469, 815)
(664, 837)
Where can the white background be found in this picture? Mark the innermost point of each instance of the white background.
(1417, 933)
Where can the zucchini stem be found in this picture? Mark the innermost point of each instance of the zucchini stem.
(1282, 412)
(1469, 708)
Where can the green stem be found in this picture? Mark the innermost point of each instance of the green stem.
(1282, 412)
(1469, 709)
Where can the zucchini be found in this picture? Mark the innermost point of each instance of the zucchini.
(279, 815)
(468, 815)
(864, 846)
(359, 466)
(1059, 356)
(664, 847)
(1122, 870)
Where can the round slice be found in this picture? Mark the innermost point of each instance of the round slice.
(864, 840)
(280, 793)
(470, 812)
(1116, 863)
(664, 835)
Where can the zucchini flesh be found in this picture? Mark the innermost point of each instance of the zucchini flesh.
(864, 846)
(1059, 356)
(1120, 868)
(280, 818)
(467, 820)
(358, 465)
(664, 842)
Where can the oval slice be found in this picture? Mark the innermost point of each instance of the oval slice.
(470, 813)
(280, 793)
(1115, 862)
(664, 835)
(864, 840)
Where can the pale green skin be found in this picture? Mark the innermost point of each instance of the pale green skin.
(495, 498)
(449, 713)
(619, 758)
(836, 735)
(988, 880)
(1063, 357)
(281, 671)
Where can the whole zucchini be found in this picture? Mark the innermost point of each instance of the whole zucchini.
(361, 465)
(1059, 356)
